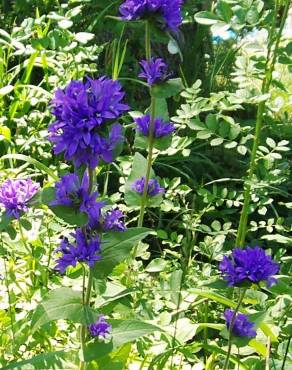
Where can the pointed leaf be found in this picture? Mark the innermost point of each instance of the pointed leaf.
(63, 303)
(116, 247)
(123, 331)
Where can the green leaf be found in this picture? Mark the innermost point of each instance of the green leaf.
(258, 346)
(217, 141)
(156, 265)
(84, 37)
(161, 143)
(116, 247)
(65, 24)
(70, 215)
(242, 149)
(116, 360)
(62, 303)
(123, 331)
(32, 161)
(224, 11)
(6, 90)
(132, 198)
(271, 143)
(25, 224)
(227, 302)
(51, 360)
(214, 296)
(206, 18)
(252, 16)
(5, 133)
(234, 132)
(167, 89)
(4, 221)
(204, 134)
(161, 109)
(211, 122)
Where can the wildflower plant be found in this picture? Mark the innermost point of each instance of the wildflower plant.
(165, 13)
(15, 196)
(80, 249)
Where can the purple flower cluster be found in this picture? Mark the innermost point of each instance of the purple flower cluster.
(250, 265)
(242, 327)
(15, 195)
(81, 111)
(101, 328)
(72, 192)
(153, 187)
(85, 249)
(154, 71)
(161, 128)
(166, 12)
(114, 221)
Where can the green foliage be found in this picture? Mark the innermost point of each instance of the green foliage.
(166, 307)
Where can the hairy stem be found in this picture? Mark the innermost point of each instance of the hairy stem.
(270, 65)
(9, 298)
(149, 162)
(241, 296)
(147, 41)
(86, 292)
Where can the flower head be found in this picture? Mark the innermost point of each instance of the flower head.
(114, 221)
(72, 192)
(166, 12)
(101, 328)
(85, 249)
(161, 128)
(15, 195)
(81, 111)
(250, 265)
(153, 187)
(242, 327)
(154, 71)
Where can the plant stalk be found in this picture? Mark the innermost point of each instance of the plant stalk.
(86, 294)
(270, 65)
(286, 353)
(147, 40)
(241, 296)
(149, 162)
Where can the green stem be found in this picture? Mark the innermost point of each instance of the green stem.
(241, 296)
(147, 40)
(179, 299)
(286, 353)
(149, 162)
(106, 181)
(22, 237)
(206, 314)
(9, 299)
(86, 294)
(267, 367)
(270, 65)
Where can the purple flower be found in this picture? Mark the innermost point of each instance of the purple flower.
(114, 221)
(84, 249)
(101, 328)
(15, 194)
(72, 192)
(242, 327)
(167, 12)
(153, 187)
(250, 265)
(161, 128)
(154, 71)
(81, 111)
